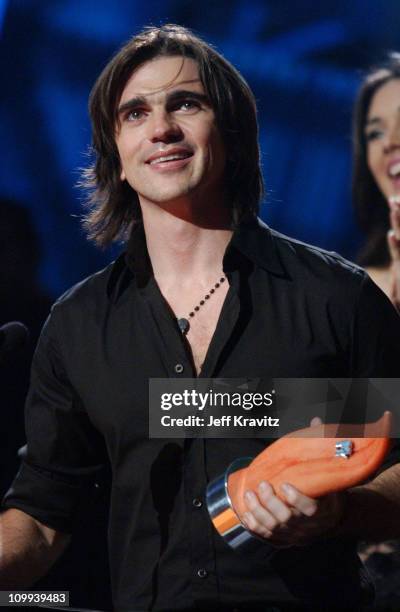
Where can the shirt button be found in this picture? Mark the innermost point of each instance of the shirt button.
(202, 573)
(197, 503)
(178, 368)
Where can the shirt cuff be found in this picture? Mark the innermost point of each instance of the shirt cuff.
(46, 496)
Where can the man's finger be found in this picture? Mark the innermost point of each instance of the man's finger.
(261, 514)
(251, 523)
(315, 421)
(263, 518)
(277, 508)
(302, 503)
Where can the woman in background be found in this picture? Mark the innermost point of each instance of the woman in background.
(376, 174)
(376, 197)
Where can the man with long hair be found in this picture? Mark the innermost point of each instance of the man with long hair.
(204, 289)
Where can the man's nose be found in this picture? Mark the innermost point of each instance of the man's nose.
(163, 128)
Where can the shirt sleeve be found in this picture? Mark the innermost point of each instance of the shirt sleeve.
(64, 451)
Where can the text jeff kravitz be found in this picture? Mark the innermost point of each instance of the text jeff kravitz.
(223, 421)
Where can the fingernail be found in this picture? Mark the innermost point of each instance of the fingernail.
(263, 485)
(286, 488)
(249, 495)
(394, 201)
(394, 237)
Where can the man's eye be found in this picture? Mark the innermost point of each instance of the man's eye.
(373, 135)
(134, 115)
(188, 105)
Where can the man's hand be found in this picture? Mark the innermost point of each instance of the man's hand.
(297, 521)
(393, 238)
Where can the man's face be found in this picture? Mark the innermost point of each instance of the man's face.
(169, 145)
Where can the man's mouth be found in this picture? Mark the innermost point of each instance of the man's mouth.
(170, 157)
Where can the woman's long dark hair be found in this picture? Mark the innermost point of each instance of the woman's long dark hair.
(370, 205)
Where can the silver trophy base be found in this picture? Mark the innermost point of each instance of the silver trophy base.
(219, 502)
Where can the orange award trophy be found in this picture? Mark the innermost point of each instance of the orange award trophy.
(315, 460)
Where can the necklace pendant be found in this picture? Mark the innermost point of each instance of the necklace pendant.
(184, 325)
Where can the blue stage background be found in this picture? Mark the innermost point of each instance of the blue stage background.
(303, 59)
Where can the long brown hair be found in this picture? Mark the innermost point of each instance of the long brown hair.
(113, 206)
(369, 202)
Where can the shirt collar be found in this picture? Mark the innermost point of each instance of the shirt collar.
(256, 241)
(252, 239)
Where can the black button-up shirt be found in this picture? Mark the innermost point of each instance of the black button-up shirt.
(292, 310)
